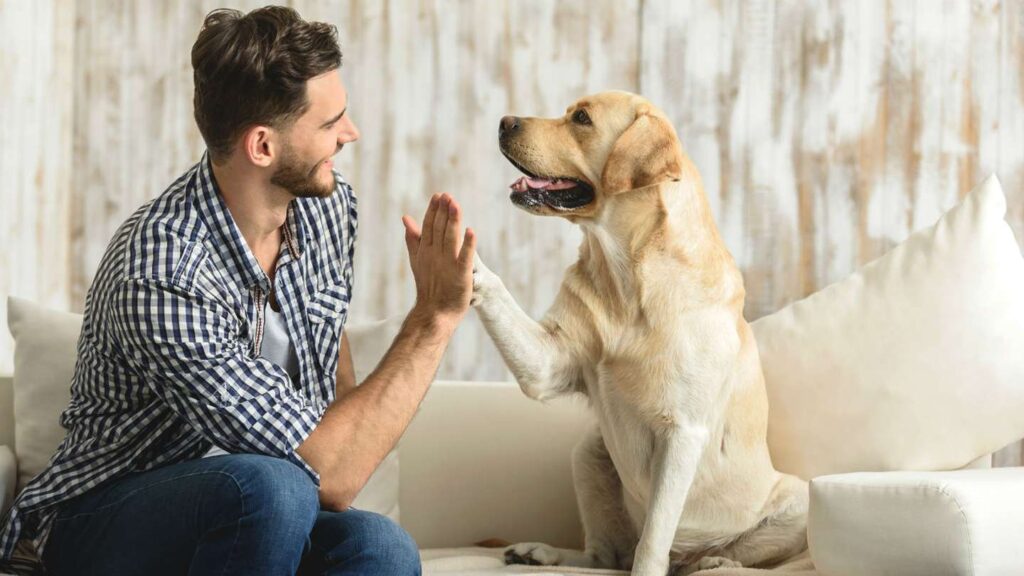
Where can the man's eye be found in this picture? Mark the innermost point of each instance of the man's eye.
(581, 117)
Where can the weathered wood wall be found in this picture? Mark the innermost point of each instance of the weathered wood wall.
(36, 162)
(825, 131)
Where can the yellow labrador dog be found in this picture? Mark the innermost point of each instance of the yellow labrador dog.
(648, 324)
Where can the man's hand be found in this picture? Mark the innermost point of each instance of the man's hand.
(441, 258)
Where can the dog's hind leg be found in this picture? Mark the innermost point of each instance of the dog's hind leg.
(609, 534)
(783, 532)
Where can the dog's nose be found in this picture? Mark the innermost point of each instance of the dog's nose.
(508, 125)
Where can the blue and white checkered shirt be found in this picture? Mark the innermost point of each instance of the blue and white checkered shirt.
(168, 358)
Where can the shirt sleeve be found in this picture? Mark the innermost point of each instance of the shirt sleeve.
(187, 348)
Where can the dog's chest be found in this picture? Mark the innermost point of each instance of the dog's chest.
(649, 374)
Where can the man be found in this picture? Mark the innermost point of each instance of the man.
(214, 424)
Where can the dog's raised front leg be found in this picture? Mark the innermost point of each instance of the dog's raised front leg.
(533, 353)
(677, 450)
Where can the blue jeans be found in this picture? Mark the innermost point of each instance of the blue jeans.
(234, 514)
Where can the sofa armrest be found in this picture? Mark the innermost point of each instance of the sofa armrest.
(481, 460)
(955, 523)
(8, 478)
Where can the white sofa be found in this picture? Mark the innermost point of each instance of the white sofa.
(878, 385)
(481, 461)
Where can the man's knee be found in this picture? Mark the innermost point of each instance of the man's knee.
(369, 539)
(276, 496)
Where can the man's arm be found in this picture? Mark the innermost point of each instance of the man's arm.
(360, 427)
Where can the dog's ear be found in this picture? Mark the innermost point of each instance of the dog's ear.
(647, 153)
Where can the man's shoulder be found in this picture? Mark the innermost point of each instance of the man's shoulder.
(163, 235)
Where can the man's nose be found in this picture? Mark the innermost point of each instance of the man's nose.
(508, 126)
(349, 132)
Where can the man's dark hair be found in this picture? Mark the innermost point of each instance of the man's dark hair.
(252, 69)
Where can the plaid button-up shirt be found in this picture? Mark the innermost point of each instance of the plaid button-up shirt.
(168, 358)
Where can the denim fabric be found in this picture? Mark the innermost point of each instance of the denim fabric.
(232, 514)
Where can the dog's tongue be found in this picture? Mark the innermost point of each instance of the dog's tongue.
(524, 183)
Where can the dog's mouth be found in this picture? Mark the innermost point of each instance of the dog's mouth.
(559, 193)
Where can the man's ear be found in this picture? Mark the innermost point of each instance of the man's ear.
(259, 146)
(647, 153)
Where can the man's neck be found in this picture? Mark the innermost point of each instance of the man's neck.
(258, 207)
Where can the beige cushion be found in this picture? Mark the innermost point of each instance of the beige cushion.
(44, 361)
(481, 461)
(915, 362)
(8, 478)
(369, 341)
(475, 561)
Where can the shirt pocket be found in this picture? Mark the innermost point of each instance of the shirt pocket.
(327, 310)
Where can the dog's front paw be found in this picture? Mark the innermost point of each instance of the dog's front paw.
(484, 282)
(533, 553)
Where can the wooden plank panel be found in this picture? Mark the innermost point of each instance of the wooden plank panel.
(36, 62)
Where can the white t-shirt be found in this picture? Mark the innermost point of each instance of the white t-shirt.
(276, 347)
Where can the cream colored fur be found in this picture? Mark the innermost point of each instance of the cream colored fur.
(648, 325)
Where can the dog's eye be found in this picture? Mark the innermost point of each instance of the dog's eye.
(581, 117)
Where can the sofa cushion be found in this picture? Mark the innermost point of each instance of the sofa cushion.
(966, 522)
(476, 561)
(368, 342)
(44, 361)
(912, 363)
(8, 478)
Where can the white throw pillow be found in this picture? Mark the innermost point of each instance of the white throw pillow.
(369, 341)
(44, 362)
(45, 350)
(915, 362)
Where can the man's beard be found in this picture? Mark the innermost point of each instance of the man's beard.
(297, 178)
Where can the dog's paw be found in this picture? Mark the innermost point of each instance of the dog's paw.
(708, 563)
(533, 553)
(484, 281)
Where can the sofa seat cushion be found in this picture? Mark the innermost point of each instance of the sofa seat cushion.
(475, 561)
(918, 523)
(488, 562)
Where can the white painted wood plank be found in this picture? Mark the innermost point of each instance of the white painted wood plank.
(36, 62)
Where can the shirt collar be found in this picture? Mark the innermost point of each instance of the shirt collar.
(228, 240)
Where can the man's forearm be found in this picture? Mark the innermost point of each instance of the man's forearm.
(361, 427)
